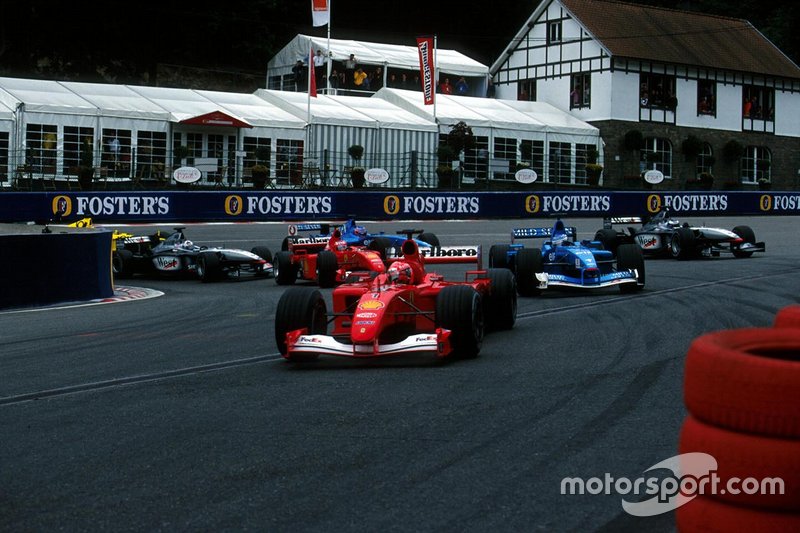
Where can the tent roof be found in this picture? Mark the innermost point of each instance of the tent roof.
(254, 110)
(117, 100)
(45, 96)
(387, 114)
(390, 55)
(490, 112)
(324, 109)
(182, 104)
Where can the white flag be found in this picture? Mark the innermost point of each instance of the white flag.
(320, 12)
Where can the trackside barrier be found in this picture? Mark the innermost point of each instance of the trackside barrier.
(384, 204)
(43, 269)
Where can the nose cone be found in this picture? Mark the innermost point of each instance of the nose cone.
(368, 318)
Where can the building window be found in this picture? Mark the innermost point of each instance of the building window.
(289, 160)
(116, 152)
(584, 154)
(4, 162)
(257, 145)
(554, 32)
(532, 152)
(194, 141)
(40, 146)
(560, 163)
(707, 97)
(657, 155)
(756, 165)
(657, 91)
(151, 152)
(505, 149)
(476, 159)
(705, 160)
(758, 103)
(579, 95)
(78, 146)
(527, 90)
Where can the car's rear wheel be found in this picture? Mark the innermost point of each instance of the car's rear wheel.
(264, 253)
(380, 245)
(300, 307)
(682, 245)
(529, 263)
(326, 269)
(629, 256)
(430, 238)
(498, 256)
(209, 267)
(501, 303)
(748, 235)
(285, 271)
(122, 263)
(459, 309)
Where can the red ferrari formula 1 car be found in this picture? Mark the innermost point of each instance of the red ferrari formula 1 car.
(402, 310)
(326, 260)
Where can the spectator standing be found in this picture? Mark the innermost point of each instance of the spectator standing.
(299, 72)
(350, 70)
(404, 81)
(319, 68)
(358, 78)
(334, 80)
(417, 85)
(490, 89)
(445, 87)
(461, 87)
(392, 82)
(376, 81)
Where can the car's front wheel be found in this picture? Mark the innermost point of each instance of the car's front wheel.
(298, 308)
(459, 309)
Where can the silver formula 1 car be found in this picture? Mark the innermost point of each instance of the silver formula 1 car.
(663, 235)
(177, 256)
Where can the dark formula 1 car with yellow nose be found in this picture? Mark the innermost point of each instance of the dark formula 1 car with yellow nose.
(402, 310)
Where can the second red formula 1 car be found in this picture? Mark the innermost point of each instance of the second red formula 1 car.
(402, 310)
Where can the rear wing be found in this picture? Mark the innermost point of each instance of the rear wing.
(446, 254)
(540, 233)
(307, 244)
(294, 229)
(609, 222)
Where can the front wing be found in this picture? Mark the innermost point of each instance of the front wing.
(614, 279)
(436, 343)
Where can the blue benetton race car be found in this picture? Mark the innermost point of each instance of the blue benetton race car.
(561, 262)
(355, 235)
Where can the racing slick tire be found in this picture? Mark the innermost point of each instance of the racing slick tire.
(629, 256)
(430, 238)
(746, 380)
(498, 256)
(681, 245)
(285, 271)
(380, 245)
(264, 253)
(529, 263)
(741, 456)
(706, 514)
(326, 269)
(300, 307)
(459, 308)
(122, 264)
(285, 244)
(749, 236)
(209, 267)
(608, 238)
(501, 303)
(788, 317)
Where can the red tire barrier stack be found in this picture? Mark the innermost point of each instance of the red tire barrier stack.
(742, 391)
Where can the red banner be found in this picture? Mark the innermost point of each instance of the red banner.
(320, 12)
(312, 78)
(427, 68)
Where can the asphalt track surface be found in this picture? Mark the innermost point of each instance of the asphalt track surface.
(177, 413)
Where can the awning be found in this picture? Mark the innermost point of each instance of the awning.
(216, 118)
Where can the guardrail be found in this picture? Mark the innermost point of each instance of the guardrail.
(165, 206)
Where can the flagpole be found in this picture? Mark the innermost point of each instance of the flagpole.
(328, 53)
(435, 75)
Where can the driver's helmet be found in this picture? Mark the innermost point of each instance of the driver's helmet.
(187, 245)
(399, 272)
(341, 246)
(360, 231)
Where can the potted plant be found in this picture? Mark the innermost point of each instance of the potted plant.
(179, 154)
(705, 181)
(732, 151)
(260, 171)
(86, 165)
(634, 140)
(356, 151)
(764, 184)
(593, 173)
(691, 147)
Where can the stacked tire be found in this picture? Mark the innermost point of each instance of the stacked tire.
(742, 391)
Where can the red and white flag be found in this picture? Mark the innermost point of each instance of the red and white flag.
(312, 78)
(320, 12)
(427, 68)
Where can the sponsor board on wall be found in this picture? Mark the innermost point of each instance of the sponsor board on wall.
(243, 205)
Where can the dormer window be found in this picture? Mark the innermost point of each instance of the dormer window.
(554, 32)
